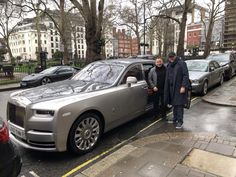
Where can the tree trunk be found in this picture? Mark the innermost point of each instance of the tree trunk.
(9, 51)
(208, 39)
(160, 47)
(37, 24)
(180, 48)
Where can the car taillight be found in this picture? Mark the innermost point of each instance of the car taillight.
(4, 134)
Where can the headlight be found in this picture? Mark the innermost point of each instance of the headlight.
(44, 112)
(195, 82)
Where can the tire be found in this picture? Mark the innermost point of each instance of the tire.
(221, 80)
(85, 133)
(45, 81)
(204, 88)
(230, 75)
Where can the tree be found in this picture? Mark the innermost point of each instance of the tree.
(3, 51)
(92, 13)
(215, 8)
(10, 15)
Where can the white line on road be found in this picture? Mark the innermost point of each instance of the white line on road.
(33, 173)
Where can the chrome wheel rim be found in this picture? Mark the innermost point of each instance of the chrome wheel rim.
(87, 133)
(46, 81)
(221, 80)
(205, 88)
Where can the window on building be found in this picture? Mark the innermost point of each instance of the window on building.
(36, 41)
(36, 49)
(57, 45)
(56, 32)
(45, 49)
(52, 51)
(194, 34)
(24, 49)
(45, 42)
(51, 38)
(52, 45)
(56, 39)
(51, 25)
(51, 32)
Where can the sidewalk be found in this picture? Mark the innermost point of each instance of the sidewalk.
(224, 95)
(176, 154)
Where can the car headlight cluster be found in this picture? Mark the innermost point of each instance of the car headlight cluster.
(195, 81)
(44, 112)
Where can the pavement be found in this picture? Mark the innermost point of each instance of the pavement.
(174, 154)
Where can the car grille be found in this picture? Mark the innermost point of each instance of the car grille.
(16, 114)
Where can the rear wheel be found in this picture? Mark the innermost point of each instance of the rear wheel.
(221, 80)
(85, 133)
(204, 88)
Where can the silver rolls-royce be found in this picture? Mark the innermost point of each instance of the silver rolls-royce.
(73, 114)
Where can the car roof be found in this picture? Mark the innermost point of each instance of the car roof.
(125, 61)
(199, 60)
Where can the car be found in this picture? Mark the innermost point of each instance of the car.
(52, 74)
(227, 61)
(204, 74)
(10, 159)
(73, 114)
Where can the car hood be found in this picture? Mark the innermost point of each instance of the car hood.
(33, 77)
(195, 75)
(60, 89)
(223, 63)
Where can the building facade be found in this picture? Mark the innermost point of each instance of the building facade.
(230, 25)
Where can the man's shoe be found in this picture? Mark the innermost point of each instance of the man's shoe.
(179, 125)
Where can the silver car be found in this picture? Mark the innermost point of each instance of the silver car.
(204, 74)
(73, 114)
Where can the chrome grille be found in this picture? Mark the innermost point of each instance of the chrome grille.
(16, 114)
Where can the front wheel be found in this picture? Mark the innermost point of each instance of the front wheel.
(221, 80)
(204, 88)
(45, 81)
(85, 133)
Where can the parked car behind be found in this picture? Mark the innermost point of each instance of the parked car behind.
(227, 61)
(52, 74)
(204, 74)
(73, 114)
(10, 161)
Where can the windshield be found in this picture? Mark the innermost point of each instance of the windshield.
(220, 57)
(49, 70)
(201, 66)
(100, 72)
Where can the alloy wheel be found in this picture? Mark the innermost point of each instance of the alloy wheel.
(45, 81)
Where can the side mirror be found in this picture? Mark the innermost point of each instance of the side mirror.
(212, 69)
(131, 80)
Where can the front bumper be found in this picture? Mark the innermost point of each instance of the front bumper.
(36, 140)
(197, 88)
(29, 83)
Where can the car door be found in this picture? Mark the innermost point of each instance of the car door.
(233, 62)
(63, 73)
(212, 74)
(131, 101)
(218, 71)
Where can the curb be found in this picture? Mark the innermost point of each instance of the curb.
(9, 88)
(207, 100)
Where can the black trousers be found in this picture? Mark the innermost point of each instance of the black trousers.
(159, 106)
(178, 112)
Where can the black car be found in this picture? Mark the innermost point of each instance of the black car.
(227, 61)
(10, 161)
(53, 74)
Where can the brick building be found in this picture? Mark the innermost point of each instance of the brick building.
(127, 46)
(194, 35)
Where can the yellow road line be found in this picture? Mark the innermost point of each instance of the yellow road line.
(114, 147)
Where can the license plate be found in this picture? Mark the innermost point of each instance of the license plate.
(17, 132)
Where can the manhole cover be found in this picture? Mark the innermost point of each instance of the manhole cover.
(210, 162)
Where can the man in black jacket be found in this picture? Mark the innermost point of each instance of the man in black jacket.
(156, 78)
(176, 87)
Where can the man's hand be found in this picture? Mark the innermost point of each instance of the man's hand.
(155, 89)
(182, 90)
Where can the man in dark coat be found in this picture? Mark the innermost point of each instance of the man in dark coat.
(156, 78)
(176, 87)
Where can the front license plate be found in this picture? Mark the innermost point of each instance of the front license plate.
(17, 132)
(23, 83)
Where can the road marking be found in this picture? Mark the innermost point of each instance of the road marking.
(114, 147)
(33, 173)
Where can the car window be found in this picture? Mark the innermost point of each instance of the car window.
(216, 64)
(135, 71)
(100, 72)
(211, 65)
(64, 70)
(223, 57)
(196, 65)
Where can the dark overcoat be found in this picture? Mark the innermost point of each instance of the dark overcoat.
(180, 79)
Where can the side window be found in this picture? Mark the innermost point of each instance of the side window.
(64, 70)
(216, 65)
(147, 68)
(135, 71)
(211, 65)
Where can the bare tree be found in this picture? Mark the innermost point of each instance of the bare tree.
(92, 13)
(215, 8)
(10, 15)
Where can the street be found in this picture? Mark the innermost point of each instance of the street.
(201, 117)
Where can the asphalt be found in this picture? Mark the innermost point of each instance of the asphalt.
(175, 154)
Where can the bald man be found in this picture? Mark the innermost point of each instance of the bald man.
(156, 79)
